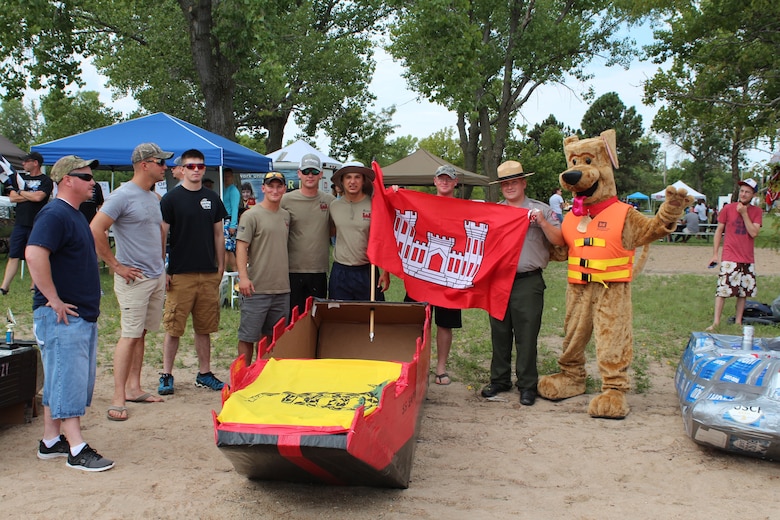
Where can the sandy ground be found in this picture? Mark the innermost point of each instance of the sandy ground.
(475, 459)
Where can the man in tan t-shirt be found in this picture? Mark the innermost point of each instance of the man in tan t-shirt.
(308, 245)
(350, 276)
(263, 273)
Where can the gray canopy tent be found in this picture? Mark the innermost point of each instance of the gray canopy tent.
(418, 168)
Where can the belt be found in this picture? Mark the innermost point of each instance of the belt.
(526, 274)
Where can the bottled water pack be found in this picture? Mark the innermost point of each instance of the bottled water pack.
(730, 395)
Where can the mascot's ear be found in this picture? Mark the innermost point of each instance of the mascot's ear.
(610, 143)
(566, 142)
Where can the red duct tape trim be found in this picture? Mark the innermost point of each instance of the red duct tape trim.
(289, 447)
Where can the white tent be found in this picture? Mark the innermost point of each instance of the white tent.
(293, 153)
(661, 195)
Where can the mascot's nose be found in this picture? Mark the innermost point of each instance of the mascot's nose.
(572, 177)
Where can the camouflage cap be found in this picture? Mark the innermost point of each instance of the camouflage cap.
(67, 164)
(146, 150)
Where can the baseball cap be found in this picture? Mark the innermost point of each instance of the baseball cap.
(273, 176)
(751, 183)
(146, 150)
(67, 164)
(33, 156)
(447, 170)
(310, 161)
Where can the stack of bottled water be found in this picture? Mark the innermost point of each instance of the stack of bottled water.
(729, 390)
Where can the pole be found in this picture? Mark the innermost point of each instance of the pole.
(373, 298)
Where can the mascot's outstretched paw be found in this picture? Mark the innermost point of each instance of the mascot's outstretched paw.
(611, 404)
(674, 206)
(560, 386)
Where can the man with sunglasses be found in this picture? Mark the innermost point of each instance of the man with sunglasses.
(30, 191)
(61, 256)
(261, 254)
(193, 215)
(308, 245)
(133, 210)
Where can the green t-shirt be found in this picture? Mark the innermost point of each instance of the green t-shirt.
(352, 221)
(266, 233)
(309, 242)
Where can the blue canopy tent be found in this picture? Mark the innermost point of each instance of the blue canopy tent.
(639, 196)
(113, 145)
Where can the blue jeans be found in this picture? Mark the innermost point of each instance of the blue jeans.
(69, 354)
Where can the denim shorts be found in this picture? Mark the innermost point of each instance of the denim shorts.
(69, 354)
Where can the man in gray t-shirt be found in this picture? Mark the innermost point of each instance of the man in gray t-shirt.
(132, 212)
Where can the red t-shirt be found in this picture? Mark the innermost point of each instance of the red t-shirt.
(738, 245)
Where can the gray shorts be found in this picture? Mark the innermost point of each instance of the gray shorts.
(259, 314)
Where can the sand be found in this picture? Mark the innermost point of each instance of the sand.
(475, 459)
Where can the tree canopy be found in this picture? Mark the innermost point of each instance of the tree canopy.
(484, 59)
(222, 64)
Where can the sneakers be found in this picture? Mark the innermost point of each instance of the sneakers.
(89, 460)
(60, 449)
(166, 384)
(207, 380)
(493, 389)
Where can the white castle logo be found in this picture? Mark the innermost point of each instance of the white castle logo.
(435, 261)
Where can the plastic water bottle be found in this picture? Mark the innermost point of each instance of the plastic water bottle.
(747, 337)
(9, 335)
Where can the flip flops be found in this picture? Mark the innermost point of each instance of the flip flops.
(121, 410)
(145, 398)
(442, 379)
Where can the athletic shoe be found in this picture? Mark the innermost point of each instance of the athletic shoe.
(166, 384)
(61, 448)
(89, 460)
(208, 380)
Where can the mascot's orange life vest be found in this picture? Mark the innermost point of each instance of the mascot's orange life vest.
(597, 255)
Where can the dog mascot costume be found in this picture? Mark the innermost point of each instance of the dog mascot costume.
(601, 234)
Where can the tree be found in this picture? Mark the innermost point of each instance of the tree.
(541, 152)
(17, 123)
(725, 56)
(222, 64)
(443, 143)
(635, 155)
(361, 135)
(67, 115)
(483, 59)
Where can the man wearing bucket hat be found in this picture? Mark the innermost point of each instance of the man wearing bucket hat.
(738, 224)
(526, 301)
(62, 260)
(350, 276)
(309, 242)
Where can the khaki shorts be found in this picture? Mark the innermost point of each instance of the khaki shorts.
(141, 304)
(196, 294)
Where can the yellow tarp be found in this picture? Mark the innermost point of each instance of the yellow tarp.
(310, 392)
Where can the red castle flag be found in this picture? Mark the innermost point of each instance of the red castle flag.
(449, 252)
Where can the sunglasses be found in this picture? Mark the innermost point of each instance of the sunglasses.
(158, 162)
(195, 166)
(310, 171)
(83, 176)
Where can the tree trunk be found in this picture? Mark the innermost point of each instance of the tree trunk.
(469, 145)
(275, 124)
(215, 71)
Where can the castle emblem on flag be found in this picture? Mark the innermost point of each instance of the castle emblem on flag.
(435, 261)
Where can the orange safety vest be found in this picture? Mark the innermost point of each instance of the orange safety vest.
(598, 255)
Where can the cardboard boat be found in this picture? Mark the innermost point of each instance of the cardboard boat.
(324, 403)
(730, 396)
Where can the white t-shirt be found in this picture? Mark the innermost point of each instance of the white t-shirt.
(701, 210)
(556, 203)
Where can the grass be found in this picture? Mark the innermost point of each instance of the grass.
(666, 309)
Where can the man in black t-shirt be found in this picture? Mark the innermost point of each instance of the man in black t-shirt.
(30, 190)
(196, 261)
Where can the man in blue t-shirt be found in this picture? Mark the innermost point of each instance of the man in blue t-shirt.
(61, 257)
